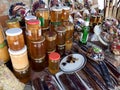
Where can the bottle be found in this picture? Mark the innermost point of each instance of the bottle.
(85, 32)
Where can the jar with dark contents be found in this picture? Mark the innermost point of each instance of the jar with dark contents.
(13, 23)
(33, 30)
(51, 41)
(15, 38)
(54, 59)
(37, 51)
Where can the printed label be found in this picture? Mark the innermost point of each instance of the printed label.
(42, 21)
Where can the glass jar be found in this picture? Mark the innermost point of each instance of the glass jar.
(30, 17)
(43, 15)
(37, 51)
(33, 30)
(61, 34)
(20, 63)
(68, 45)
(15, 38)
(65, 13)
(4, 55)
(54, 59)
(69, 30)
(56, 14)
(13, 23)
(2, 36)
(51, 41)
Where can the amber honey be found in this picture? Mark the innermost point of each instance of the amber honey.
(65, 13)
(2, 36)
(13, 23)
(61, 34)
(43, 15)
(56, 14)
(20, 63)
(33, 30)
(15, 38)
(51, 41)
(54, 59)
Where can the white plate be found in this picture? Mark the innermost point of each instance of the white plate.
(72, 67)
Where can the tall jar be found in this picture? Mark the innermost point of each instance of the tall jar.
(37, 51)
(65, 13)
(20, 64)
(15, 38)
(4, 55)
(54, 59)
(13, 23)
(51, 41)
(33, 30)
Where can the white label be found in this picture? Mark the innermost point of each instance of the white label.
(16, 43)
(86, 23)
(39, 32)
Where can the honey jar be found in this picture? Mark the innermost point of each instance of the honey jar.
(65, 13)
(20, 63)
(61, 34)
(50, 41)
(4, 55)
(15, 38)
(54, 59)
(13, 23)
(37, 51)
(33, 30)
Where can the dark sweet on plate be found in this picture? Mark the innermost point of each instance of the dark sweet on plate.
(70, 59)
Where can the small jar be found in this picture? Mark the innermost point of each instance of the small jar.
(61, 34)
(2, 36)
(54, 59)
(33, 30)
(20, 63)
(43, 15)
(65, 13)
(15, 38)
(4, 55)
(13, 23)
(51, 41)
(56, 14)
(69, 30)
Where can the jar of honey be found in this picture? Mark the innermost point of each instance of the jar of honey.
(54, 59)
(65, 13)
(20, 64)
(30, 17)
(4, 55)
(13, 23)
(50, 41)
(37, 51)
(15, 38)
(2, 36)
(33, 30)
(61, 34)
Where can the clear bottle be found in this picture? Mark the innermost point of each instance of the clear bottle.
(85, 32)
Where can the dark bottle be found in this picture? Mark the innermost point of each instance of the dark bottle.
(85, 32)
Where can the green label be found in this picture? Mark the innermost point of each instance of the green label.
(2, 45)
(42, 21)
(56, 23)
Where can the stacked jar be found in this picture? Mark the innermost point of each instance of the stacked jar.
(36, 45)
(4, 55)
(18, 54)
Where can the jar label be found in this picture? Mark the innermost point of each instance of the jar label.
(61, 47)
(56, 23)
(40, 60)
(42, 21)
(29, 33)
(3, 44)
(40, 31)
(16, 43)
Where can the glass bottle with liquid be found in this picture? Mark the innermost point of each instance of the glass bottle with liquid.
(85, 32)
